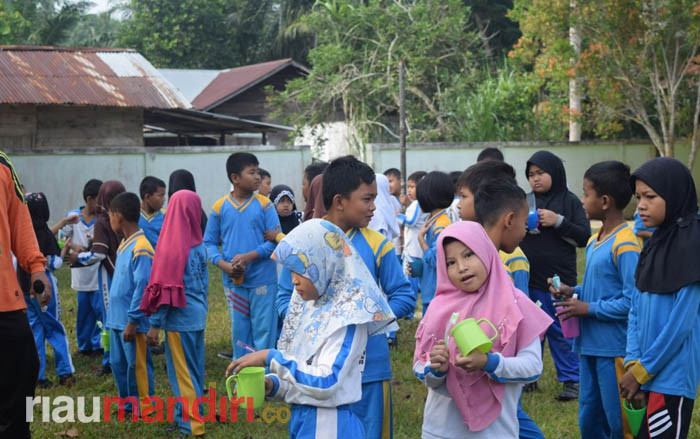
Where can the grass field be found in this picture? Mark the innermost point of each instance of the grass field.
(556, 419)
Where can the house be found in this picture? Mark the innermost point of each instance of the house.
(239, 92)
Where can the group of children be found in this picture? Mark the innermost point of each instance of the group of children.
(359, 258)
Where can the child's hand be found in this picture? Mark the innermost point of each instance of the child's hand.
(572, 308)
(473, 362)
(129, 332)
(271, 235)
(440, 357)
(628, 386)
(240, 261)
(152, 337)
(66, 248)
(563, 292)
(71, 219)
(639, 400)
(226, 267)
(547, 217)
(73, 256)
(268, 386)
(257, 358)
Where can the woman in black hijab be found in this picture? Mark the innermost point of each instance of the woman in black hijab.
(183, 179)
(663, 339)
(563, 227)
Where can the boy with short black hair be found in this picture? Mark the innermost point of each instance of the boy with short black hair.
(265, 183)
(238, 221)
(411, 221)
(84, 278)
(500, 206)
(152, 192)
(490, 154)
(349, 189)
(394, 176)
(129, 356)
(603, 301)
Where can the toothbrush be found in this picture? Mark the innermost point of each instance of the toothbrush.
(453, 321)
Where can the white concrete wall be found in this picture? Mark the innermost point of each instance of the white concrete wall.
(61, 175)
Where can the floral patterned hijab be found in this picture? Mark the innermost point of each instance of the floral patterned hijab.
(321, 252)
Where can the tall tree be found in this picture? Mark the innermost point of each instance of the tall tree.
(50, 22)
(639, 62)
(356, 58)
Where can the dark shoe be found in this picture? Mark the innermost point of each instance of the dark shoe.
(225, 355)
(44, 384)
(66, 380)
(82, 353)
(530, 387)
(96, 353)
(158, 350)
(569, 392)
(105, 370)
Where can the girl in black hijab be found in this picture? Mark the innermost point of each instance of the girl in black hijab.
(663, 339)
(563, 226)
(46, 324)
(283, 198)
(183, 179)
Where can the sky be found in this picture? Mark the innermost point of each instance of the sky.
(100, 6)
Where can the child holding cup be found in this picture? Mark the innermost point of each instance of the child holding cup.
(663, 337)
(317, 366)
(475, 394)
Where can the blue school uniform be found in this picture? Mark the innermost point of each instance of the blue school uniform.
(663, 341)
(131, 361)
(428, 280)
(322, 390)
(151, 225)
(239, 228)
(184, 338)
(375, 408)
(640, 227)
(47, 326)
(608, 287)
(86, 281)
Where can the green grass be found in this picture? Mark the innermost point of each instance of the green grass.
(557, 420)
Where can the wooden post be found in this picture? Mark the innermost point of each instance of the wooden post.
(402, 122)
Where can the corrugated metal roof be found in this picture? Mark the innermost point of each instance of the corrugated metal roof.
(234, 81)
(190, 82)
(83, 76)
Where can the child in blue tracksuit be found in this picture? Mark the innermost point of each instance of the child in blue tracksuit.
(412, 221)
(238, 222)
(152, 191)
(128, 354)
(318, 364)
(663, 337)
(603, 301)
(85, 278)
(176, 300)
(46, 325)
(435, 194)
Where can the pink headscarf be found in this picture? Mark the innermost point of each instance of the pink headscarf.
(518, 320)
(181, 231)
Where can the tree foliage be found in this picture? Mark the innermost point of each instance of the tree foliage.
(43, 22)
(356, 59)
(639, 62)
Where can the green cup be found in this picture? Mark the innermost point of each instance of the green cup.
(469, 336)
(634, 417)
(105, 339)
(250, 383)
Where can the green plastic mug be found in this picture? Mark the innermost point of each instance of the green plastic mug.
(634, 417)
(250, 383)
(104, 334)
(469, 336)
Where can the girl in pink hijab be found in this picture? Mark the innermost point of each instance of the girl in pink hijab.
(476, 396)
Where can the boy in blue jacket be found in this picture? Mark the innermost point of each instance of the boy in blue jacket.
(238, 222)
(129, 356)
(152, 192)
(349, 189)
(603, 301)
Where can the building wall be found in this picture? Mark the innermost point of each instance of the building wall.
(62, 173)
(56, 126)
(457, 157)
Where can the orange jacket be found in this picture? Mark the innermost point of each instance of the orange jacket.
(16, 236)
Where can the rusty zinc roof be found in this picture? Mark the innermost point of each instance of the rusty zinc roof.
(232, 82)
(83, 76)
